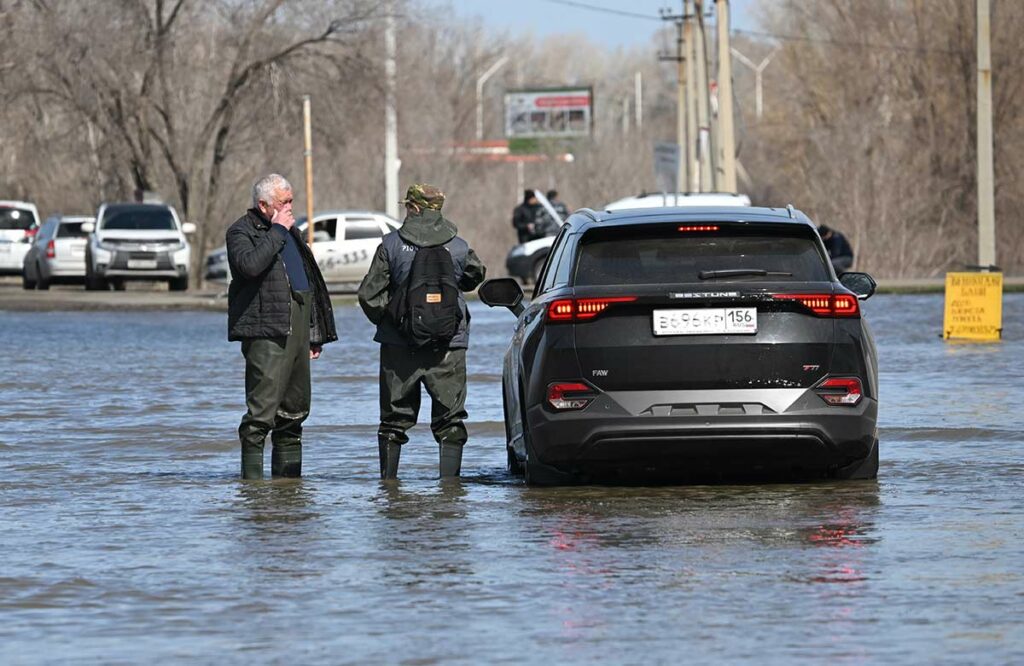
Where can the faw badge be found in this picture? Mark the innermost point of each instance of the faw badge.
(433, 298)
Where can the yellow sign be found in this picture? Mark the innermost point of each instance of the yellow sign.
(974, 306)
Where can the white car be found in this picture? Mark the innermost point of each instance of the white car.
(526, 260)
(137, 241)
(19, 222)
(58, 252)
(343, 243)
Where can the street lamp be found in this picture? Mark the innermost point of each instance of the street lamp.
(758, 69)
(480, 94)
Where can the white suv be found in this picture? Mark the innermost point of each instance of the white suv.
(19, 222)
(132, 241)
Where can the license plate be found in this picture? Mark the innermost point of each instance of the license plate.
(705, 321)
(142, 264)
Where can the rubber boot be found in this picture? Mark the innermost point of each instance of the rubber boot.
(252, 464)
(451, 459)
(286, 461)
(389, 452)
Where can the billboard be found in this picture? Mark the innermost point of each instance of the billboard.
(548, 112)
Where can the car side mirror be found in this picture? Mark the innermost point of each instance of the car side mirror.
(502, 292)
(861, 284)
(188, 228)
(88, 227)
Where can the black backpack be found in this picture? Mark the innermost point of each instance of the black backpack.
(427, 309)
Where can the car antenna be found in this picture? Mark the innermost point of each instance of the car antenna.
(791, 211)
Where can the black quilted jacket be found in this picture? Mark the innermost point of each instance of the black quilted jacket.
(259, 298)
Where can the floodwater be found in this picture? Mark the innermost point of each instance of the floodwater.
(126, 537)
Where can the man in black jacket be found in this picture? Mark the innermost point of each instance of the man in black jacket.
(524, 217)
(839, 250)
(279, 308)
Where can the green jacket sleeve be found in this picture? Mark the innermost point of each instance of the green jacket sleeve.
(373, 290)
(473, 274)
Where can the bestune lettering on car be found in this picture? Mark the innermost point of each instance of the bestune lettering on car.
(705, 294)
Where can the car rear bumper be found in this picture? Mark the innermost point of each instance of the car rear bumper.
(605, 441)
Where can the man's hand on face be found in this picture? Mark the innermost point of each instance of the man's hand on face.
(283, 216)
(314, 351)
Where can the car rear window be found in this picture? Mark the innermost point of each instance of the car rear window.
(662, 254)
(71, 230)
(139, 219)
(16, 218)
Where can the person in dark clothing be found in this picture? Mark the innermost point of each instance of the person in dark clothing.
(403, 367)
(524, 217)
(839, 250)
(280, 310)
(546, 224)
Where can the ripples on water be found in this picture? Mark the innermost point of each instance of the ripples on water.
(126, 536)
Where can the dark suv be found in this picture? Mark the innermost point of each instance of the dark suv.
(689, 344)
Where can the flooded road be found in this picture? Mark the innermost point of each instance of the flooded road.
(126, 536)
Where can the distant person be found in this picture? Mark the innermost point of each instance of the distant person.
(556, 203)
(279, 308)
(839, 250)
(524, 217)
(413, 293)
(546, 225)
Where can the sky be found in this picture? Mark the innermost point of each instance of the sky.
(544, 18)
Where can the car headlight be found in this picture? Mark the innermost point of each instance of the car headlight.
(518, 251)
(109, 247)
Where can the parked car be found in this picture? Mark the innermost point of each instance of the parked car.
(19, 222)
(57, 255)
(343, 243)
(679, 344)
(133, 241)
(526, 260)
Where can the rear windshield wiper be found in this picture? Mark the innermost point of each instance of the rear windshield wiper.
(739, 272)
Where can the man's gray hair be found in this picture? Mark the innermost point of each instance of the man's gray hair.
(265, 187)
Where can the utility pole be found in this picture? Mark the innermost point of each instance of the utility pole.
(307, 131)
(638, 100)
(480, 94)
(683, 137)
(391, 165)
(704, 156)
(726, 134)
(986, 175)
(692, 158)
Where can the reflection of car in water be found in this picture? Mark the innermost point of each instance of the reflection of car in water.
(689, 344)
(526, 260)
(343, 243)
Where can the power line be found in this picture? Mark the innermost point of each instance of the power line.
(606, 10)
(844, 43)
(765, 35)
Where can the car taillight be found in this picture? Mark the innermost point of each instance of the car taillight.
(699, 227)
(845, 391)
(825, 305)
(582, 309)
(51, 250)
(566, 395)
(31, 233)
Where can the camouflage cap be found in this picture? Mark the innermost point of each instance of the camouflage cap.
(424, 197)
